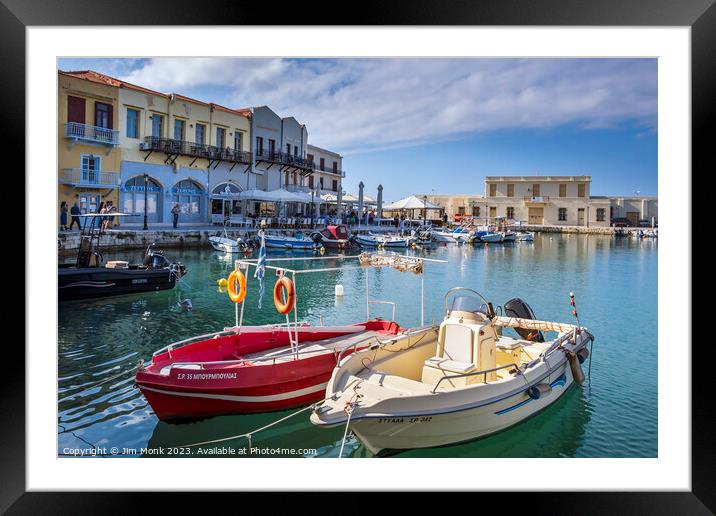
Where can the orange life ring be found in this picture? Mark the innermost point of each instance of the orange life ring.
(287, 284)
(237, 277)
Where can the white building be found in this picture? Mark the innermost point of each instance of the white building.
(328, 171)
(547, 200)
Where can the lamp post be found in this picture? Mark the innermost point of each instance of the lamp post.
(425, 209)
(146, 181)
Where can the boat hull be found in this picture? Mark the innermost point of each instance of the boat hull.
(91, 282)
(430, 430)
(286, 243)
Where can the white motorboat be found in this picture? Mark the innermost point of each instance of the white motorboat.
(455, 382)
(299, 240)
(491, 237)
(443, 236)
(509, 236)
(376, 240)
(231, 245)
(525, 236)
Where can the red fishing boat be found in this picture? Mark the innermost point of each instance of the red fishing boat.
(249, 369)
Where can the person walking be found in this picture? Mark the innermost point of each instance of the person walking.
(175, 213)
(75, 212)
(110, 209)
(63, 216)
(102, 220)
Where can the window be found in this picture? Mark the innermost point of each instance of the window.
(581, 190)
(535, 190)
(295, 150)
(288, 149)
(493, 190)
(102, 115)
(323, 164)
(220, 137)
(510, 190)
(309, 157)
(286, 179)
(563, 214)
(475, 211)
(157, 125)
(132, 123)
(461, 210)
(178, 129)
(237, 141)
(310, 182)
(259, 145)
(91, 166)
(600, 214)
(510, 212)
(335, 167)
(335, 185)
(321, 183)
(563, 190)
(200, 135)
(272, 146)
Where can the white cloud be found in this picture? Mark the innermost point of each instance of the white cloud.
(358, 105)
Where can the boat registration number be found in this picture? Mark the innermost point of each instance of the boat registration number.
(206, 376)
(420, 419)
(140, 280)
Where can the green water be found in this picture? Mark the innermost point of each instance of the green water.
(614, 279)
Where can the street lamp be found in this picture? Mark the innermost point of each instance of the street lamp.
(146, 181)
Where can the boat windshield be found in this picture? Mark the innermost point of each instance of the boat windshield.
(469, 304)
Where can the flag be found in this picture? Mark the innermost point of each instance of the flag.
(261, 267)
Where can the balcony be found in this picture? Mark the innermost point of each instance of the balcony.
(285, 160)
(536, 200)
(337, 172)
(90, 133)
(297, 188)
(174, 148)
(83, 177)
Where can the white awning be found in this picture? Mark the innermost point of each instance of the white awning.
(411, 203)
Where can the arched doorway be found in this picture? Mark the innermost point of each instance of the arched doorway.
(133, 199)
(190, 196)
(225, 202)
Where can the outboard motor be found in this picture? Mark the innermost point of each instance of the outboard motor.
(517, 308)
(155, 260)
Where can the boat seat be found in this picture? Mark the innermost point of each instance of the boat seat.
(450, 365)
(508, 343)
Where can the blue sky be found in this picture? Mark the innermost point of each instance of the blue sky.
(423, 125)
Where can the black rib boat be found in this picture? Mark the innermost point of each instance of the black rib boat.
(88, 277)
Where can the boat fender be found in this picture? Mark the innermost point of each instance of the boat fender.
(323, 250)
(286, 284)
(577, 372)
(538, 391)
(582, 355)
(222, 282)
(237, 277)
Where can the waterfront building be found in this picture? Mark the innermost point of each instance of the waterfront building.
(547, 200)
(88, 158)
(171, 149)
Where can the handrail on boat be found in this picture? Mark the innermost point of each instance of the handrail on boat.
(517, 368)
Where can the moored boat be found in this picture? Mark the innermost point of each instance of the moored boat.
(376, 240)
(525, 236)
(90, 277)
(298, 240)
(334, 236)
(249, 369)
(455, 382)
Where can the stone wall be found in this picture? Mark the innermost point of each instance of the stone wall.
(565, 229)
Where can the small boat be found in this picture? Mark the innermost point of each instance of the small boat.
(443, 236)
(230, 245)
(461, 380)
(299, 240)
(509, 236)
(336, 236)
(373, 240)
(525, 236)
(490, 237)
(89, 277)
(250, 369)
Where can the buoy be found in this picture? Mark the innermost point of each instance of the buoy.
(577, 373)
(323, 250)
(222, 282)
(339, 290)
(582, 355)
(537, 391)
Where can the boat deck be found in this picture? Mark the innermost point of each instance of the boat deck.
(315, 348)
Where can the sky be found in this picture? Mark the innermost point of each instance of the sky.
(418, 125)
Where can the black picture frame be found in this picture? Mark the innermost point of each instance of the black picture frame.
(700, 15)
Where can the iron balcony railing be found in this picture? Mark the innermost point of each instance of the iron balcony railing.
(283, 158)
(298, 188)
(91, 133)
(536, 198)
(87, 177)
(337, 172)
(196, 150)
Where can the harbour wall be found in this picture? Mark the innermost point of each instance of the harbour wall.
(570, 229)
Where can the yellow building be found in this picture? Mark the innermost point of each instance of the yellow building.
(88, 158)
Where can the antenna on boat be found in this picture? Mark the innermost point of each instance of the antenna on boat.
(574, 308)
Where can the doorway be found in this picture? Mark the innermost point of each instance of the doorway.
(536, 216)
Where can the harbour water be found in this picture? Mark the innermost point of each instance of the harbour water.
(613, 415)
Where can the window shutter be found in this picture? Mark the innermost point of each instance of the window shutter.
(76, 109)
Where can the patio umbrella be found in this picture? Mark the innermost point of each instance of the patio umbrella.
(360, 200)
(379, 209)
